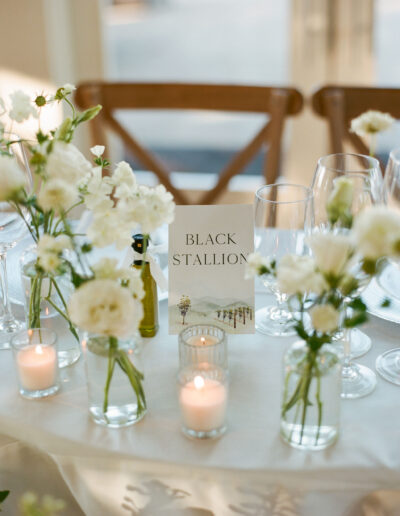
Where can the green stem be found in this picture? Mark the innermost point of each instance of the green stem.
(319, 405)
(307, 383)
(113, 346)
(135, 378)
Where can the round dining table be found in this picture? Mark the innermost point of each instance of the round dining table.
(51, 446)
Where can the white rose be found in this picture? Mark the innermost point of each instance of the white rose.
(105, 307)
(66, 162)
(331, 252)
(133, 279)
(150, 207)
(97, 150)
(256, 264)
(341, 199)
(376, 233)
(58, 195)
(12, 179)
(324, 318)
(299, 275)
(371, 122)
(21, 107)
(98, 190)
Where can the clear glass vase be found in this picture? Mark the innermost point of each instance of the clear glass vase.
(114, 380)
(311, 396)
(45, 300)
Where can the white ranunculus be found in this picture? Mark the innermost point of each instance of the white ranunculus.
(21, 107)
(376, 233)
(256, 264)
(299, 275)
(66, 162)
(98, 190)
(103, 306)
(150, 207)
(57, 194)
(12, 179)
(49, 250)
(324, 318)
(331, 251)
(97, 150)
(340, 200)
(108, 227)
(371, 122)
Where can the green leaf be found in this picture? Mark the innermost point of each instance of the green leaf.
(386, 302)
(89, 114)
(358, 304)
(86, 248)
(356, 320)
(3, 495)
(369, 267)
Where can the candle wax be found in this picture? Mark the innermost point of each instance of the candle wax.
(203, 406)
(37, 367)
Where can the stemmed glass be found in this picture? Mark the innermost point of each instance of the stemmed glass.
(388, 364)
(12, 230)
(283, 214)
(367, 185)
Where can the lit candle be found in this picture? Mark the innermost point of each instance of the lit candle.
(37, 367)
(202, 340)
(203, 404)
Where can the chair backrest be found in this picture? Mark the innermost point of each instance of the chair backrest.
(340, 104)
(275, 102)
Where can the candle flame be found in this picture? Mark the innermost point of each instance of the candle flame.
(47, 311)
(203, 340)
(198, 382)
(38, 349)
(30, 333)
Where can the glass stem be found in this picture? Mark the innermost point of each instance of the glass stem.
(349, 370)
(8, 315)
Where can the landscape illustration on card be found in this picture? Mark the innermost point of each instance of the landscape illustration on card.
(208, 250)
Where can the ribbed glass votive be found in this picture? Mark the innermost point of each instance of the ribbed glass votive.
(203, 346)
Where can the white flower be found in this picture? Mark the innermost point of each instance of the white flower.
(149, 207)
(57, 194)
(103, 306)
(371, 122)
(98, 189)
(107, 228)
(68, 88)
(376, 232)
(66, 162)
(12, 179)
(341, 199)
(97, 150)
(331, 251)
(49, 251)
(107, 268)
(21, 107)
(256, 264)
(299, 275)
(324, 318)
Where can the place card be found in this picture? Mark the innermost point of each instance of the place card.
(208, 250)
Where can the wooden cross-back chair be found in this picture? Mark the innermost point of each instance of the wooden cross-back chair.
(340, 104)
(275, 102)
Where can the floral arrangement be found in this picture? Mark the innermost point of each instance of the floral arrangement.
(369, 124)
(323, 289)
(106, 300)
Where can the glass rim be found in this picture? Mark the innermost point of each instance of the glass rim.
(19, 335)
(370, 159)
(305, 189)
(189, 372)
(213, 326)
(394, 155)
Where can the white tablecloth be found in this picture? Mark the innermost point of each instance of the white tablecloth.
(154, 470)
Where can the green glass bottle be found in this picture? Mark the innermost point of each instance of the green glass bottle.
(149, 324)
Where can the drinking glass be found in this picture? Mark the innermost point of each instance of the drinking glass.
(283, 214)
(366, 177)
(12, 230)
(388, 364)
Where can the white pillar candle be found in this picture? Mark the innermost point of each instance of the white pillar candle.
(202, 340)
(37, 367)
(203, 404)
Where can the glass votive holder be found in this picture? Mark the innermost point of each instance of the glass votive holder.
(203, 346)
(203, 397)
(36, 363)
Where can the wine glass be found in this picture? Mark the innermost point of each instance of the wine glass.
(283, 213)
(367, 189)
(12, 229)
(388, 364)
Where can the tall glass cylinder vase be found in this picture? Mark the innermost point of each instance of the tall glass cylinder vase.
(311, 396)
(45, 299)
(114, 380)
